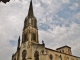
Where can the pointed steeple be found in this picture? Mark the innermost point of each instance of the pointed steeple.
(30, 12)
(18, 47)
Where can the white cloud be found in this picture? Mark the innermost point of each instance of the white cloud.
(47, 1)
(65, 1)
(74, 6)
(60, 36)
(77, 16)
(13, 13)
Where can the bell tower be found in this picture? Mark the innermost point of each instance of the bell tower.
(30, 30)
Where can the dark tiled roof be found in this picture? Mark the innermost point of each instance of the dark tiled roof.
(61, 53)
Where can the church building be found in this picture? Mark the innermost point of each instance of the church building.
(31, 49)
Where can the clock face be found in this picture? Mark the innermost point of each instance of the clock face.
(24, 53)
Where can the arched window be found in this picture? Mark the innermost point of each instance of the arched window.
(34, 37)
(51, 57)
(25, 37)
(62, 50)
(24, 53)
(60, 57)
(32, 23)
(30, 20)
(36, 55)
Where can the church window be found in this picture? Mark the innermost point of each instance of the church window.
(62, 50)
(33, 36)
(51, 57)
(36, 55)
(25, 37)
(33, 23)
(30, 20)
(24, 53)
(60, 58)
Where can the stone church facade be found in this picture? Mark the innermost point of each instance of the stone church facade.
(30, 49)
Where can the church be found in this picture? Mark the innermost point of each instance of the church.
(31, 49)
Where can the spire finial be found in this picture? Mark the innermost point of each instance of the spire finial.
(19, 38)
(30, 12)
(18, 43)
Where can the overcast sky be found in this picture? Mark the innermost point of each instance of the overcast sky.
(58, 24)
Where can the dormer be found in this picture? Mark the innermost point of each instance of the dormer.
(65, 49)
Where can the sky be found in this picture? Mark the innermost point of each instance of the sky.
(58, 24)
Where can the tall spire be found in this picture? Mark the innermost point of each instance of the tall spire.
(30, 12)
(18, 43)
